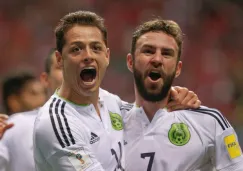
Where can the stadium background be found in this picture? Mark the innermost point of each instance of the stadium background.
(212, 52)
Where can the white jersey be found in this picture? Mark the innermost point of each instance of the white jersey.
(185, 140)
(16, 146)
(70, 137)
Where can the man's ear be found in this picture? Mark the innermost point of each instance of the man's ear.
(178, 69)
(14, 103)
(108, 56)
(59, 59)
(44, 79)
(130, 62)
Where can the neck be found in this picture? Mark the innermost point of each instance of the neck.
(150, 108)
(80, 99)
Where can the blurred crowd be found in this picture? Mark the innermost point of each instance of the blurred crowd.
(212, 53)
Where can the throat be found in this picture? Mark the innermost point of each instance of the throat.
(150, 108)
(150, 113)
(69, 94)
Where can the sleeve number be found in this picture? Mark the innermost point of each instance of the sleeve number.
(113, 152)
(151, 155)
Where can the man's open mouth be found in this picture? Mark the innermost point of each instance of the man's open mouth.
(154, 75)
(88, 74)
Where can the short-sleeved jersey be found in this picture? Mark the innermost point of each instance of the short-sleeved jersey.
(70, 137)
(16, 146)
(184, 140)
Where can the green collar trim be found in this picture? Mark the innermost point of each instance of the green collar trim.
(56, 92)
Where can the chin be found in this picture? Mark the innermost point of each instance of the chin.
(154, 89)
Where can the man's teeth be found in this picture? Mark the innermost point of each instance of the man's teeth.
(88, 68)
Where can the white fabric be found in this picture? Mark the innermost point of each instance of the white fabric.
(148, 147)
(16, 146)
(86, 142)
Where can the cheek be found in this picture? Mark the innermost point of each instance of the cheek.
(170, 66)
(70, 68)
(71, 63)
(103, 64)
(141, 64)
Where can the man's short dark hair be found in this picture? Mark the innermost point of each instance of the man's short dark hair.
(13, 84)
(85, 18)
(167, 26)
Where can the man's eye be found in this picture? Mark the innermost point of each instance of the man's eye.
(168, 54)
(75, 49)
(97, 48)
(148, 51)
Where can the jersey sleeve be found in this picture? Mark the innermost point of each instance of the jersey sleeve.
(59, 145)
(4, 157)
(227, 154)
(75, 158)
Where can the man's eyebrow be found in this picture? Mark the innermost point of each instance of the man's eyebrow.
(147, 46)
(170, 50)
(81, 43)
(76, 43)
(96, 43)
(165, 49)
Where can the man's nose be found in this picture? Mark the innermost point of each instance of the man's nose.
(156, 61)
(88, 56)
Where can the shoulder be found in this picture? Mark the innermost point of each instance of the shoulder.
(22, 122)
(53, 126)
(55, 106)
(110, 98)
(46, 123)
(42, 122)
(20, 134)
(106, 94)
(18, 117)
(209, 115)
(127, 106)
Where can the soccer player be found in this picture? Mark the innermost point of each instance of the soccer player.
(183, 140)
(22, 92)
(80, 127)
(16, 146)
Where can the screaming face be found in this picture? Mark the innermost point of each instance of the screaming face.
(154, 65)
(84, 59)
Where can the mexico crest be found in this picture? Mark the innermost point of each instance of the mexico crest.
(179, 134)
(116, 121)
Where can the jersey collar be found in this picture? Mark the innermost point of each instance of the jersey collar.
(141, 115)
(100, 100)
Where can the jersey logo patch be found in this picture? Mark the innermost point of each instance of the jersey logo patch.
(116, 121)
(79, 159)
(94, 138)
(232, 146)
(179, 134)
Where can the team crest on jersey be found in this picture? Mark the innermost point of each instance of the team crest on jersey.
(116, 121)
(179, 134)
(79, 159)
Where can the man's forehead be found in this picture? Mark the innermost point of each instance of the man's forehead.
(84, 33)
(157, 39)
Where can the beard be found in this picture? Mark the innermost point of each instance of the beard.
(145, 94)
